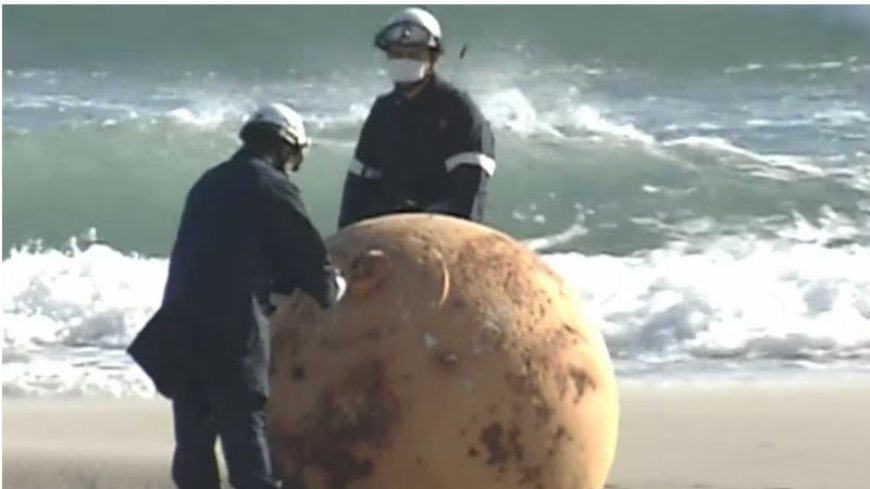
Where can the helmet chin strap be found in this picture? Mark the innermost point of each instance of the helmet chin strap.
(279, 157)
(285, 159)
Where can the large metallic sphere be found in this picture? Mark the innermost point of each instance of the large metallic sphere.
(459, 360)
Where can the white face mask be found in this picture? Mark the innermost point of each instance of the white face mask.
(404, 70)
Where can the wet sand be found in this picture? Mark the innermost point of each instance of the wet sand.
(813, 436)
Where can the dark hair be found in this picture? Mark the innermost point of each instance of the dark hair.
(261, 137)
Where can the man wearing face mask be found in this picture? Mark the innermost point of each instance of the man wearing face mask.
(244, 234)
(425, 146)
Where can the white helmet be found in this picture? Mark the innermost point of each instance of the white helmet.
(411, 26)
(286, 121)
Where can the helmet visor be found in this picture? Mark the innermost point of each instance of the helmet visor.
(405, 33)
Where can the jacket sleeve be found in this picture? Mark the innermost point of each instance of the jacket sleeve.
(362, 185)
(470, 160)
(296, 253)
(467, 192)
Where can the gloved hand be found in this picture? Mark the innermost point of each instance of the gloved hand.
(340, 286)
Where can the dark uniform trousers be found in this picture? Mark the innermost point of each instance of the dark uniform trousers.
(238, 417)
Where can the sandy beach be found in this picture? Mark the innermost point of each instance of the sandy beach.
(747, 437)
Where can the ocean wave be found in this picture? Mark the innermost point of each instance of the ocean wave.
(510, 111)
(736, 300)
(793, 299)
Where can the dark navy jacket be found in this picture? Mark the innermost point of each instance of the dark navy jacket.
(434, 152)
(244, 233)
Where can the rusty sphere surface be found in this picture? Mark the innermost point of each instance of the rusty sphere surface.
(459, 359)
